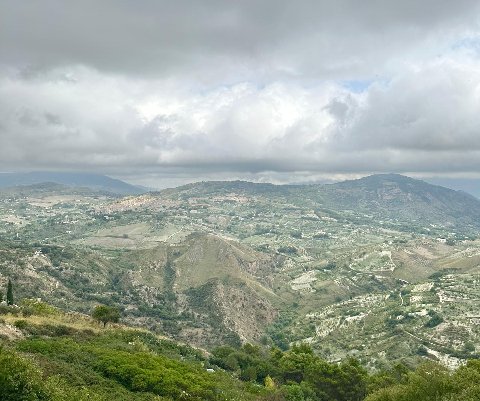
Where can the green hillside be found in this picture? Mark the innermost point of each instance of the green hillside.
(347, 267)
(46, 354)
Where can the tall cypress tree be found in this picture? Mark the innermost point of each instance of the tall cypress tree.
(9, 293)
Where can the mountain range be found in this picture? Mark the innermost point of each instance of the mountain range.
(391, 197)
(92, 181)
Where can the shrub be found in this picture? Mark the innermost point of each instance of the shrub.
(21, 324)
(435, 320)
(34, 307)
(290, 250)
(20, 380)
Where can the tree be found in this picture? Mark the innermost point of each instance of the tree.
(106, 314)
(9, 293)
(269, 383)
(1, 296)
(435, 320)
(295, 363)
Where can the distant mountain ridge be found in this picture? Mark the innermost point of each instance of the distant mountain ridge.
(391, 197)
(382, 196)
(398, 196)
(89, 180)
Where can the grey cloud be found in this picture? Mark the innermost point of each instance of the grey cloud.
(156, 133)
(319, 38)
(52, 119)
(430, 109)
(338, 109)
(422, 121)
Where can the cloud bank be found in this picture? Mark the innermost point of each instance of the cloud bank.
(167, 92)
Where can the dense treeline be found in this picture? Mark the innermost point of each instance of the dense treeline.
(56, 361)
(300, 375)
(297, 374)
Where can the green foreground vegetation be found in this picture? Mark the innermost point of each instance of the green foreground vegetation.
(46, 354)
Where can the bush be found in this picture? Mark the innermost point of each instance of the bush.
(435, 320)
(5, 309)
(290, 250)
(429, 382)
(21, 324)
(34, 307)
(20, 380)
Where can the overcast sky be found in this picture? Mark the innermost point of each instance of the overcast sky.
(165, 92)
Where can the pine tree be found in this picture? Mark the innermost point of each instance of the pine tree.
(9, 293)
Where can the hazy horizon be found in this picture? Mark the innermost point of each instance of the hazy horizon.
(468, 185)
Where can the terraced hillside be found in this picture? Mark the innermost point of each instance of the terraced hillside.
(358, 268)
